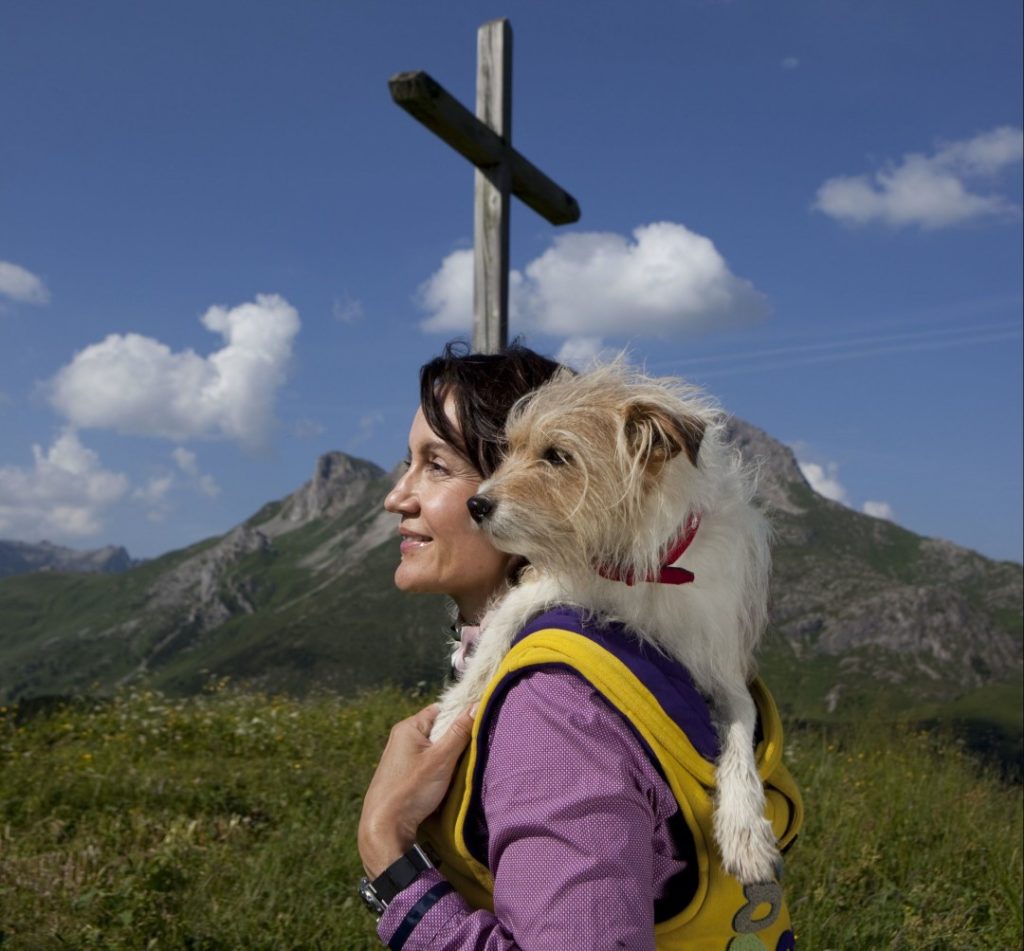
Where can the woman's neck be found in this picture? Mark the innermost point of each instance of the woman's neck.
(472, 611)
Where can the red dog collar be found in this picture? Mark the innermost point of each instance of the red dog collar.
(666, 574)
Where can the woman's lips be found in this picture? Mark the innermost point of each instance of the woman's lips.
(413, 542)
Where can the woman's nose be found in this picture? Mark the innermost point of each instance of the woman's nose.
(400, 499)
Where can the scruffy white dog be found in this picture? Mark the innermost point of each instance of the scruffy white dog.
(608, 476)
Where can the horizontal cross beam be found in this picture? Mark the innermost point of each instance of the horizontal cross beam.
(426, 100)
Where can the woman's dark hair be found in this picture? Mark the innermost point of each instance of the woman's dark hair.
(483, 388)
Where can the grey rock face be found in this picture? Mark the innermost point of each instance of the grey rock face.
(204, 591)
(200, 585)
(338, 482)
(776, 466)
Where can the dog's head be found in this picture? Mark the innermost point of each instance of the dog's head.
(602, 469)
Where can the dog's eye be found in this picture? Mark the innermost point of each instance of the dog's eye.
(556, 457)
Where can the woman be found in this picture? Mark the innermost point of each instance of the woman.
(579, 841)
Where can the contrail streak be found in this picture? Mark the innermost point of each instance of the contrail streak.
(848, 349)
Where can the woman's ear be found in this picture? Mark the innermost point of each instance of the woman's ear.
(652, 431)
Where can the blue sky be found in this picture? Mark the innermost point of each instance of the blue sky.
(223, 250)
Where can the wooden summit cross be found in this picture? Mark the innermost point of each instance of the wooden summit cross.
(486, 140)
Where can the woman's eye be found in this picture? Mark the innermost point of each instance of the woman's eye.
(556, 457)
(435, 465)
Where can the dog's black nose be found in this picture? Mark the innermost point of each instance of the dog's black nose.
(480, 507)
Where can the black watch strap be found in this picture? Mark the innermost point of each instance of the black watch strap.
(401, 873)
(398, 876)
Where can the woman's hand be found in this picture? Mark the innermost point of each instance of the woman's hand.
(412, 778)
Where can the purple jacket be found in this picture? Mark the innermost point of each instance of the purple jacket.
(581, 832)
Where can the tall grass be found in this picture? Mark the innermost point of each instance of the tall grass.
(908, 844)
(227, 821)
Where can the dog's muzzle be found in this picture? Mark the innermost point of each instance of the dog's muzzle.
(480, 507)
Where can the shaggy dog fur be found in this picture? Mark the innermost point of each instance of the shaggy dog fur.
(606, 469)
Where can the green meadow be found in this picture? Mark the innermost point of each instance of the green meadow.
(227, 821)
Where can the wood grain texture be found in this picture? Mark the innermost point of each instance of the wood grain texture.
(429, 103)
(491, 205)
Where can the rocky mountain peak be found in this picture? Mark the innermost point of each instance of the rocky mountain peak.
(776, 465)
(338, 481)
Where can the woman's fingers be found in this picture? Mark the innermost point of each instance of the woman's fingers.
(410, 782)
(424, 719)
(453, 741)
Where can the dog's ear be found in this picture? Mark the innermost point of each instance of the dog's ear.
(652, 431)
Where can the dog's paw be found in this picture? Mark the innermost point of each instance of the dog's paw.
(441, 723)
(748, 847)
(452, 702)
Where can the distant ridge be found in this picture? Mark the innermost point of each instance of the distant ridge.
(22, 557)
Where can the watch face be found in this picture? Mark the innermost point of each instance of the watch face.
(370, 898)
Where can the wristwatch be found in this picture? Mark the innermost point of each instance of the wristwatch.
(399, 875)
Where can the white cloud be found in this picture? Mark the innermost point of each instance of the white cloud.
(63, 495)
(448, 294)
(879, 510)
(21, 285)
(985, 154)
(207, 484)
(137, 385)
(154, 491)
(188, 463)
(930, 191)
(664, 280)
(667, 279)
(185, 460)
(579, 352)
(790, 62)
(825, 480)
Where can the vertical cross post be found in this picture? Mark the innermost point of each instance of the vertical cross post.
(492, 191)
(486, 140)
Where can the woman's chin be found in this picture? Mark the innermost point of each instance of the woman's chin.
(412, 582)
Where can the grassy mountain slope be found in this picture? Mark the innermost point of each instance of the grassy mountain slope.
(280, 602)
(868, 615)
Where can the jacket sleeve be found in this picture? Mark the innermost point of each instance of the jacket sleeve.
(574, 816)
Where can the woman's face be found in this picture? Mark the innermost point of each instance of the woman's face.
(443, 551)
